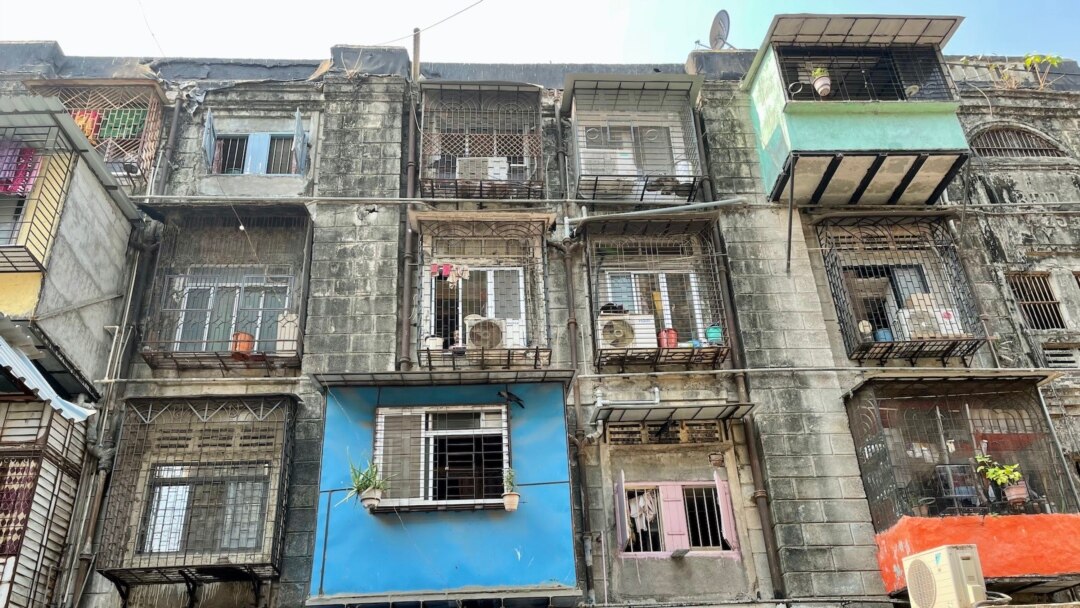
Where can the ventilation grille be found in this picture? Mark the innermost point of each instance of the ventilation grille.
(921, 585)
(1062, 358)
(642, 433)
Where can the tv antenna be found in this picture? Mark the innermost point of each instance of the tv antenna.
(718, 33)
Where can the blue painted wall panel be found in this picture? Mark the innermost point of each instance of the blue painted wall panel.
(448, 550)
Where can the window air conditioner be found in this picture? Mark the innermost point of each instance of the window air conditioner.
(949, 576)
(483, 168)
(287, 332)
(485, 333)
(625, 331)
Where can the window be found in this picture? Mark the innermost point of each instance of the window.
(672, 299)
(228, 308)
(255, 153)
(11, 215)
(674, 517)
(207, 507)
(463, 298)
(629, 150)
(1010, 142)
(438, 456)
(18, 477)
(1036, 299)
(898, 73)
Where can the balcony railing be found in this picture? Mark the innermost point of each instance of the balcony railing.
(896, 73)
(899, 289)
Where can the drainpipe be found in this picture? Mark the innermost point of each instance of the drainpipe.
(404, 362)
(578, 439)
(170, 146)
(761, 496)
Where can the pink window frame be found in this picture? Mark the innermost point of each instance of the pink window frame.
(673, 518)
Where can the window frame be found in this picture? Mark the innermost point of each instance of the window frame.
(432, 312)
(240, 286)
(641, 308)
(250, 164)
(675, 534)
(426, 478)
(1048, 311)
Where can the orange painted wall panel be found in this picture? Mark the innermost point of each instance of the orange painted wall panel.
(1009, 545)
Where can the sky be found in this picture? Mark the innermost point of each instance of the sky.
(494, 31)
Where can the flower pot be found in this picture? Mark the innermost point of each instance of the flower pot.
(371, 498)
(823, 85)
(242, 345)
(1017, 492)
(510, 500)
(668, 338)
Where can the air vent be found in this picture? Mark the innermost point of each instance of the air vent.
(173, 440)
(640, 433)
(1061, 358)
(257, 439)
(216, 438)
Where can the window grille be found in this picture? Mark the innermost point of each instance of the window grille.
(442, 457)
(197, 484)
(656, 300)
(122, 122)
(226, 297)
(669, 432)
(481, 144)
(636, 145)
(480, 285)
(895, 73)
(674, 517)
(35, 165)
(899, 289)
(230, 153)
(1009, 142)
(1035, 297)
(917, 440)
(280, 161)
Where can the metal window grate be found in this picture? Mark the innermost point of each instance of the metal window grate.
(230, 153)
(1009, 142)
(197, 484)
(442, 457)
(866, 74)
(1035, 297)
(899, 289)
(226, 297)
(671, 432)
(656, 300)
(643, 511)
(702, 507)
(481, 144)
(916, 442)
(281, 160)
(18, 477)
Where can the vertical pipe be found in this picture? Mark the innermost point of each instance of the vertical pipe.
(404, 362)
(790, 211)
(170, 147)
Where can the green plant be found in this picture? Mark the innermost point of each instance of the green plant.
(364, 479)
(1001, 474)
(509, 482)
(1040, 65)
(818, 72)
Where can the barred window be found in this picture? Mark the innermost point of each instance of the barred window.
(442, 456)
(1035, 297)
(674, 517)
(1006, 142)
(477, 307)
(255, 153)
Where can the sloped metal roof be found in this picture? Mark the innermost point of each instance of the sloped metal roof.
(18, 365)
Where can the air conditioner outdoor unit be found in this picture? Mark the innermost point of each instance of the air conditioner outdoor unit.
(483, 167)
(485, 333)
(949, 576)
(626, 331)
(288, 331)
(918, 324)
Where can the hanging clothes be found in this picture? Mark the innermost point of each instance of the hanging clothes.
(643, 510)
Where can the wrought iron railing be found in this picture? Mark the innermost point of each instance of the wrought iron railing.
(896, 73)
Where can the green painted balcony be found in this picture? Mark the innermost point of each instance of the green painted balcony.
(856, 110)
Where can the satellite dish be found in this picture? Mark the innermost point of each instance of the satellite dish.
(718, 33)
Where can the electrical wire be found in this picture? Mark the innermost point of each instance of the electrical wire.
(150, 29)
(444, 20)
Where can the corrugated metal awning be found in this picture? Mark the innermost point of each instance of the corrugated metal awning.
(607, 88)
(862, 29)
(648, 226)
(663, 412)
(445, 378)
(479, 85)
(16, 364)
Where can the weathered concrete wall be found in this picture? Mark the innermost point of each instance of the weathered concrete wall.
(87, 275)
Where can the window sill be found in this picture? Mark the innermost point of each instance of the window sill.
(393, 506)
(721, 553)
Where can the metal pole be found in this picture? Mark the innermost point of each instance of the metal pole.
(790, 210)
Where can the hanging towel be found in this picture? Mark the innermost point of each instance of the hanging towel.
(643, 510)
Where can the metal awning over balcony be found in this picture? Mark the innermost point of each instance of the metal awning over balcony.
(665, 411)
(868, 178)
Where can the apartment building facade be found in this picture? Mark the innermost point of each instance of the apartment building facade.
(736, 338)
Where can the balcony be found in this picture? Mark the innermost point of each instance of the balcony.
(480, 285)
(219, 462)
(656, 294)
(899, 289)
(917, 439)
(884, 130)
(635, 139)
(35, 166)
(225, 298)
(481, 140)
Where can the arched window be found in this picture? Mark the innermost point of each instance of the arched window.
(1011, 142)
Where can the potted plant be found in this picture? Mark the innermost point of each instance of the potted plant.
(819, 77)
(1007, 476)
(367, 485)
(510, 497)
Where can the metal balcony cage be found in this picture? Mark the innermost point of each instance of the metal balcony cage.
(35, 169)
(869, 73)
(636, 145)
(481, 141)
(228, 291)
(917, 441)
(899, 288)
(482, 294)
(656, 294)
(123, 122)
(198, 491)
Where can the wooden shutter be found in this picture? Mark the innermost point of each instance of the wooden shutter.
(727, 511)
(622, 532)
(209, 139)
(673, 516)
(258, 151)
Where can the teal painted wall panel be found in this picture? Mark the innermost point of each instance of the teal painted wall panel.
(767, 101)
(875, 131)
(447, 550)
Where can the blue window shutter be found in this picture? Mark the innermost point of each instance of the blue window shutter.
(258, 151)
(300, 144)
(209, 138)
